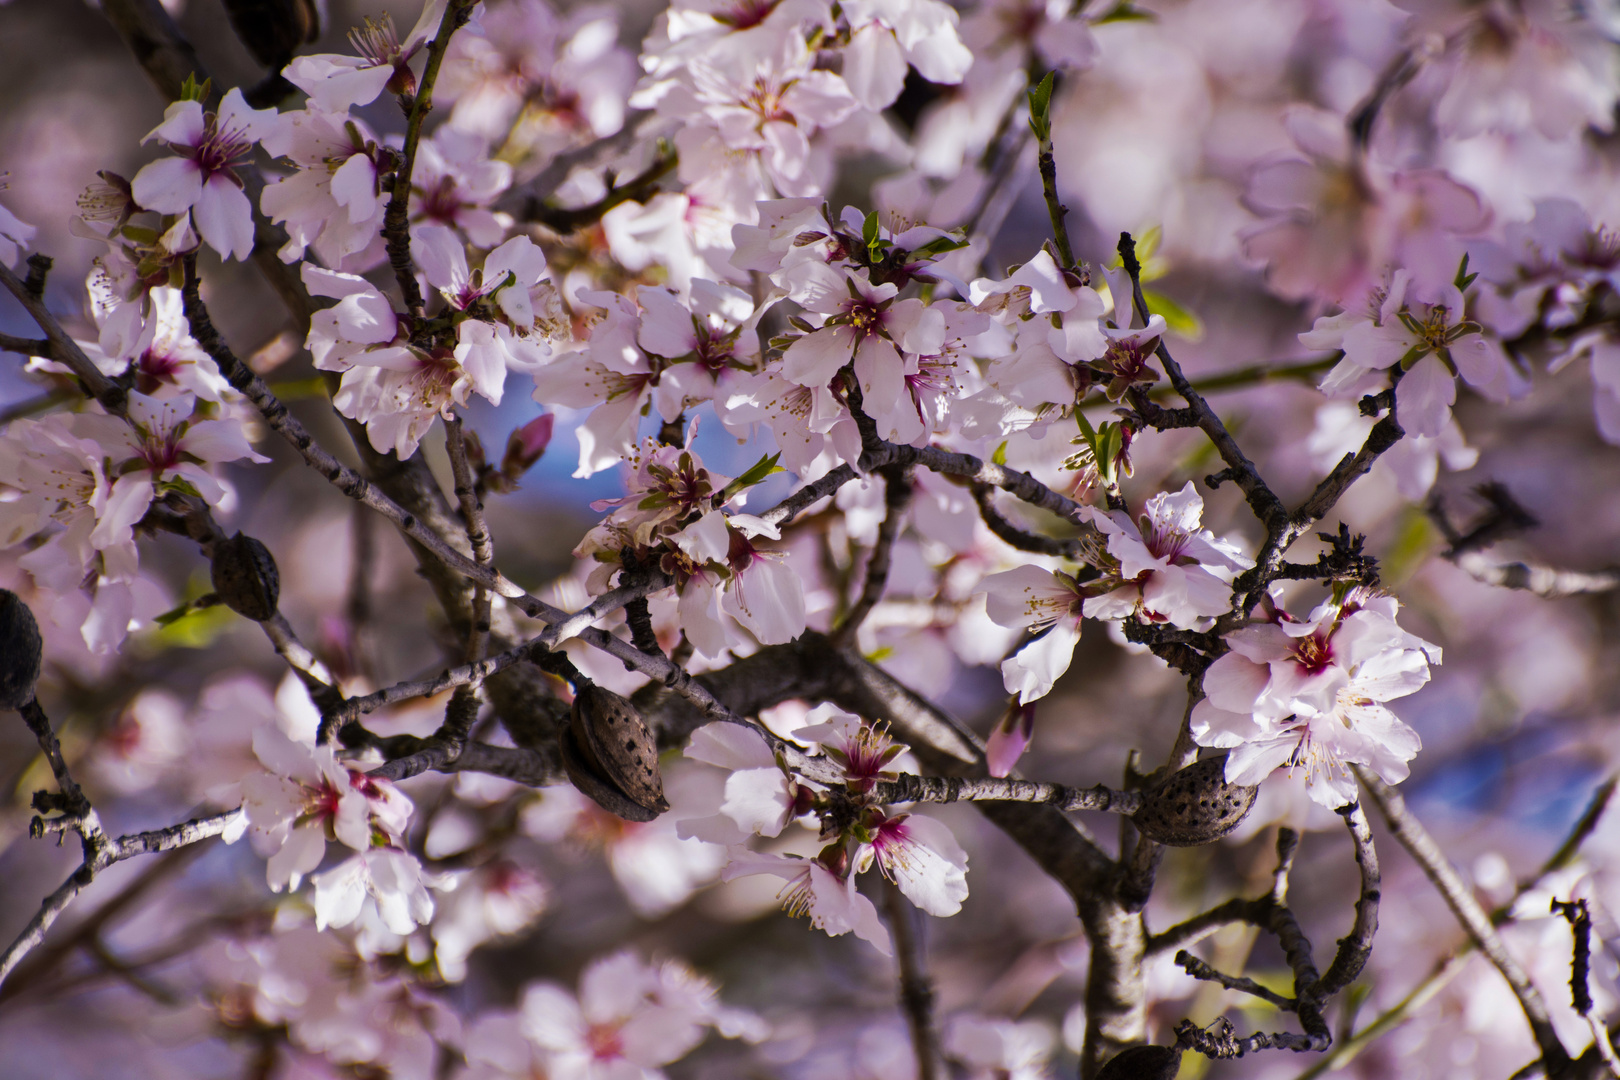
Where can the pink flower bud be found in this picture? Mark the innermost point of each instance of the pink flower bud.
(526, 444)
(1010, 738)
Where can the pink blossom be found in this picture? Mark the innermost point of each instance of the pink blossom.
(201, 181)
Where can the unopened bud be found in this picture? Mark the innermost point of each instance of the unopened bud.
(246, 578)
(1010, 738)
(20, 649)
(525, 446)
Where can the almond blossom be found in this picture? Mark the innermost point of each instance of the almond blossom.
(1426, 331)
(829, 900)
(1029, 597)
(1165, 568)
(336, 83)
(334, 201)
(201, 181)
(629, 1019)
(1309, 694)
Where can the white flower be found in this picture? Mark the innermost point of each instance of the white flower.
(922, 857)
(498, 898)
(760, 798)
(1036, 599)
(889, 35)
(15, 236)
(628, 1020)
(1169, 569)
(308, 797)
(160, 449)
(334, 201)
(201, 181)
(1432, 340)
(1309, 695)
(389, 878)
(830, 902)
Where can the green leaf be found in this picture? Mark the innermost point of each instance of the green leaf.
(1177, 318)
(190, 90)
(764, 467)
(1000, 456)
(1125, 12)
(939, 246)
(195, 629)
(869, 233)
(1040, 107)
(1464, 278)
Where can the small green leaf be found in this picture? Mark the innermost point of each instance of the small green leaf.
(1464, 278)
(191, 90)
(1124, 12)
(869, 232)
(1000, 456)
(1177, 318)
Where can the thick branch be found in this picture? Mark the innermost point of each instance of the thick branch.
(949, 789)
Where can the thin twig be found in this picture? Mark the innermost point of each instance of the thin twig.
(396, 216)
(1449, 967)
(789, 508)
(916, 991)
(472, 512)
(1416, 839)
(64, 349)
(897, 491)
(98, 857)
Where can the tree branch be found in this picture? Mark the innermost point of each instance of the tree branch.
(1460, 899)
(897, 490)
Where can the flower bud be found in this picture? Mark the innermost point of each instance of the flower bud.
(1194, 806)
(526, 444)
(246, 578)
(1010, 738)
(19, 651)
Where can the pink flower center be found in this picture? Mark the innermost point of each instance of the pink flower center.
(604, 1041)
(1314, 653)
(220, 150)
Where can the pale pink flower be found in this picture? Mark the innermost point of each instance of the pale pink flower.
(1010, 738)
(387, 878)
(828, 900)
(760, 798)
(888, 35)
(307, 797)
(454, 183)
(201, 181)
(1169, 569)
(1309, 694)
(1426, 330)
(1029, 597)
(15, 236)
(497, 899)
(162, 448)
(336, 83)
(921, 856)
(334, 201)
